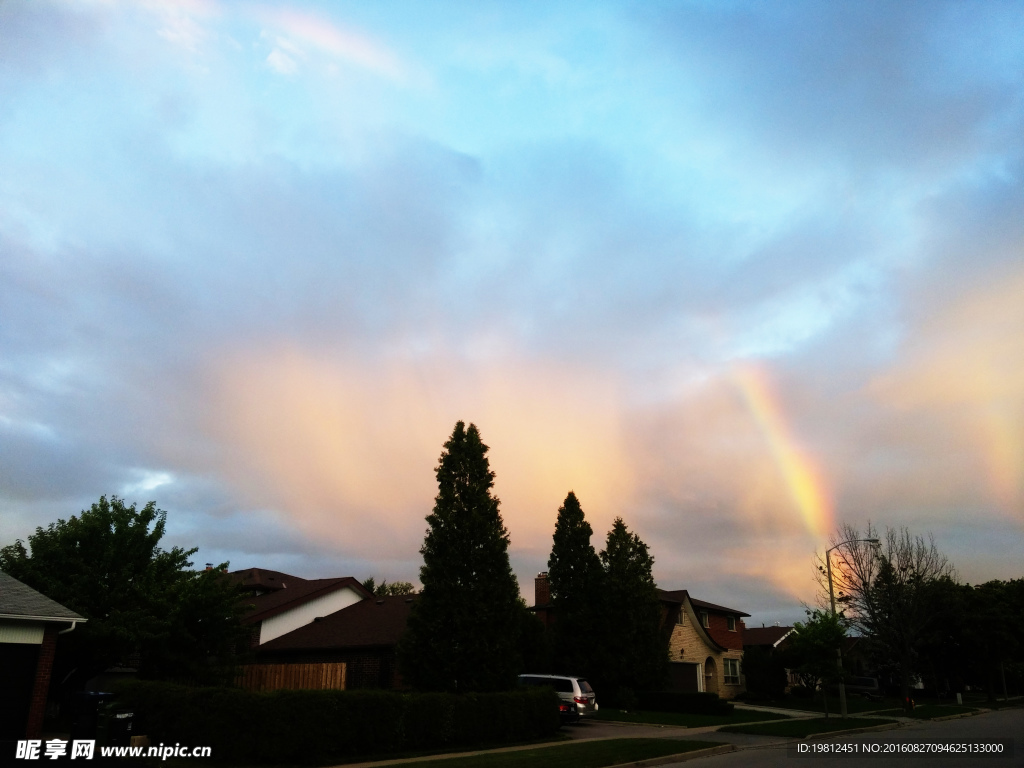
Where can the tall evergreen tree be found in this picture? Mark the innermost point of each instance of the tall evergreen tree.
(463, 632)
(574, 572)
(635, 653)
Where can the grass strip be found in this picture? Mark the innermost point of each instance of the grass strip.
(801, 729)
(928, 711)
(685, 720)
(587, 754)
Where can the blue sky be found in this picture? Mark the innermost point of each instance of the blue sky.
(737, 272)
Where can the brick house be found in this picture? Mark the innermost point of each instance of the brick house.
(705, 644)
(29, 625)
(363, 636)
(281, 603)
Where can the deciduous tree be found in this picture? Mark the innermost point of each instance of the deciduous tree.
(142, 602)
(886, 592)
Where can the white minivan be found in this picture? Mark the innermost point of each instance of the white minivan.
(577, 697)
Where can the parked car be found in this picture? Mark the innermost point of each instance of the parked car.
(577, 698)
(867, 687)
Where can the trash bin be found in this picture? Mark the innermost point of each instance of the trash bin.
(88, 708)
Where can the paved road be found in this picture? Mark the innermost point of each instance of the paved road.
(990, 726)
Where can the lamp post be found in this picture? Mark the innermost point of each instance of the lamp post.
(832, 599)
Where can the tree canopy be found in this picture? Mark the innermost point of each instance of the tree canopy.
(463, 631)
(388, 589)
(887, 592)
(142, 602)
(812, 649)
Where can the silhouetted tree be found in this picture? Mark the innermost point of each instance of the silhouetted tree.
(464, 628)
(811, 650)
(142, 602)
(886, 593)
(634, 654)
(575, 575)
(386, 589)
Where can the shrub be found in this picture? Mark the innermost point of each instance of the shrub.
(319, 726)
(684, 702)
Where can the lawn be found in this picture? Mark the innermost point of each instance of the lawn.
(801, 729)
(687, 721)
(854, 704)
(588, 754)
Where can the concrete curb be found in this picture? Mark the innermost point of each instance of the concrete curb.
(957, 717)
(678, 758)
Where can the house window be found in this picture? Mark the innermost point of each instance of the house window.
(704, 621)
(732, 671)
(732, 623)
(681, 615)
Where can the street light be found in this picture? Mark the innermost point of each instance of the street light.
(832, 599)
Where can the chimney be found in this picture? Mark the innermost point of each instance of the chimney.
(541, 589)
(209, 566)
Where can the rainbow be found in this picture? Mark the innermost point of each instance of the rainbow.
(803, 481)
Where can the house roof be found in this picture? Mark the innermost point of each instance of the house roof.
(765, 635)
(20, 601)
(368, 623)
(680, 595)
(288, 591)
(261, 578)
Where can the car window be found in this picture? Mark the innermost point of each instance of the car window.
(561, 685)
(585, 686)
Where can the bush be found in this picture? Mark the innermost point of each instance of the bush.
(684, 702)
(801, 692)
(320, 726)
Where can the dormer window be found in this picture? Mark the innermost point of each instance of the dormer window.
(732, 623)
(704, 620)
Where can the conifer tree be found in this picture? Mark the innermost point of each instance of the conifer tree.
(463, 631)
(635, 653)
(574, 572)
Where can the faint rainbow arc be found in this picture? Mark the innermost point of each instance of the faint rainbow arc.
(802, 480)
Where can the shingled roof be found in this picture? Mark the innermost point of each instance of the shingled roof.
(679, 595)
(20, 601)
(367, 624)
(285, 591)
(765, 635)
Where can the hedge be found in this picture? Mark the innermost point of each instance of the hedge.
(684, 702)
(319, 726)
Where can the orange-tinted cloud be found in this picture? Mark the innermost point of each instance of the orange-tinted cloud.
(347, 451)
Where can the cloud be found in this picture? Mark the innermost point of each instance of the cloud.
(308, 30)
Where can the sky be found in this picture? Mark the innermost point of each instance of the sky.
(737, 272)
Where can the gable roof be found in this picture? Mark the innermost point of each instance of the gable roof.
(263, 579)
(765, 635)
(366, 624)
(20, 601)
(288, 591)
(681, 595)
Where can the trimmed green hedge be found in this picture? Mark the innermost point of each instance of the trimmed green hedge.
(686, 703)
(319, 726)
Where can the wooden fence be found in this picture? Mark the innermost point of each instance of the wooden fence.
(274, 677)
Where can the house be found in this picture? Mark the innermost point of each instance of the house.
(29, 625)
(766, 637)
(363, 636)
(282, 603)
(705, 643)
(705, 640)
